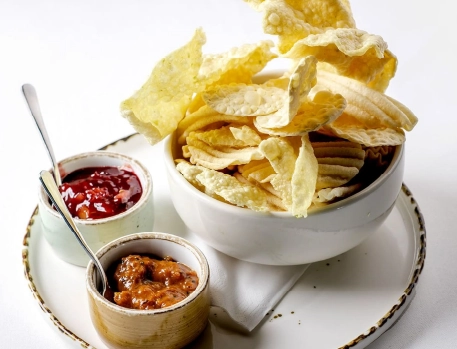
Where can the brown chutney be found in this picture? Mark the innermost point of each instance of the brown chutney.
(147, 282)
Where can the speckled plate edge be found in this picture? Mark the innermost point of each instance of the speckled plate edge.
(373, 331)
(408, 293)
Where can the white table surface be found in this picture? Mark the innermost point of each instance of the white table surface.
(85, 56)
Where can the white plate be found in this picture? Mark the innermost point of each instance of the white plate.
(344, 302)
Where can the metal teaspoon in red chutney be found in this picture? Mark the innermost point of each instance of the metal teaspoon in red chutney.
(53, 192)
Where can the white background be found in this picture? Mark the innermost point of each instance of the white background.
(84, 57)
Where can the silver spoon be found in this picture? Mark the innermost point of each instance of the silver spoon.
(53, 192)
(32, 100)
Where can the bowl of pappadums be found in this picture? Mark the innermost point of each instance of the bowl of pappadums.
(280, 166)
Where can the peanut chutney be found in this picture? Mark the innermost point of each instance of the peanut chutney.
(147, 282)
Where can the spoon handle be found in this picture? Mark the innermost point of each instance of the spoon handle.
(54, 194)
(32, 101)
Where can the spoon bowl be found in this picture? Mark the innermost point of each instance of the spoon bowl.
(53, 192)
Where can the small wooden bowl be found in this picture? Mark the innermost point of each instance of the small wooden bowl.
(170, 327)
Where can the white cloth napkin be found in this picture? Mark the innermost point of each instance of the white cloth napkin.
(246, 291)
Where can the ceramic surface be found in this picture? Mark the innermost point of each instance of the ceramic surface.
(373, 282)
(170, 327)
(278, 238)
(97, 232)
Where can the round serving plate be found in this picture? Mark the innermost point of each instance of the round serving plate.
(344, 302)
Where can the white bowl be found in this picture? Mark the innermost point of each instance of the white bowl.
(278, 238)
(97, 232)
(171, 327)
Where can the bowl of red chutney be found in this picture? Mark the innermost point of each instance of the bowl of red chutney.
(108, 194)
(160, 292)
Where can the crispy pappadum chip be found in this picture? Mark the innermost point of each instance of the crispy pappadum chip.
(325, 13)
(339, 151)
(347, 6)
(301, 81)
(233, 191)
(336, 45)
(293, 20)
(196, 103)
(246, 134)
(273, 197)
(202, 118)
(220, 137)
(353, 52)
(281, 155)
(190, 173)
(245, 100)
(237, 65)
(381, 81)
(269, 188)
(274, 202)
(339, 162)
(202, 154)
(380, 156)
(253, 166)
(329, 195)
(304, 179)
(337, 148)
(259, 171)
(331, 176)
(314, 9)
(406, 111)
(223, 137)
(367, 105)
(324, 108)
(285, 22)
(281, 82)
(347, 127)
(156, 109)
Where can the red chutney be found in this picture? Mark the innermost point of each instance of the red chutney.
(144, 282)
(100, 192)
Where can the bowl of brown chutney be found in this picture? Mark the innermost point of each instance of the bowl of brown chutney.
(160, 297)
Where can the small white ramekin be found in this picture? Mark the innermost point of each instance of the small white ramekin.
(97, 232)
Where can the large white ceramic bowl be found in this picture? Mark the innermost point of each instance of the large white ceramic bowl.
(278, 238)
(97, 232)
(166, 328)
